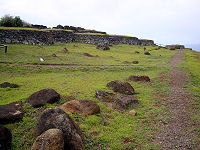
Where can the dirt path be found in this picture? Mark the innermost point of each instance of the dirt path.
(78, 66)
(177, 133)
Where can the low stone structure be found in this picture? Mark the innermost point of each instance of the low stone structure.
(46, 37)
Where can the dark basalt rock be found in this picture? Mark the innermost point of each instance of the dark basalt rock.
(135, 62)
(126, 101)
(147, 53)
(42, 97)
(11, 112)
(121, 87)
(57, 118)
(7, 84)
(138, 78)
(104, 96)
(5, 138)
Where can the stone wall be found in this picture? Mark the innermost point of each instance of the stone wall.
(53, 36)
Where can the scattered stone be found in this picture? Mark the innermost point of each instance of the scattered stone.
(56, 118)
(138, 78)
(54, 55)
(109, 104)
(83, 107)
(11, 112)
(136, 52)
(172, 48)
(126, 62)
(7, 84)
(135, 62)
(65, 50)
(51, 139)
(103, 46)
(5, 138)
(87, 54)
(147, 53)
(40, 98)
(126, 101)
(121, 87)
(104, 96)
(133, 113)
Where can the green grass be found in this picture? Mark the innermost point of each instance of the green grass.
(121, 131)
(30, 54)
(192, 66)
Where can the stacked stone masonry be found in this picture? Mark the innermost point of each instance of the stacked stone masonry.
(56, 36)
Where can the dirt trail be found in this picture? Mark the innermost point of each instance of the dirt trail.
(78, 66)
(177, 133)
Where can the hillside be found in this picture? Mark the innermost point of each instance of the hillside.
(76, 70)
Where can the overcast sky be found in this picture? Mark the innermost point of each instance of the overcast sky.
(164, 21)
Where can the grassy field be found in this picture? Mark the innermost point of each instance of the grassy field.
(121, 131)
(192, 65)
(29, 54)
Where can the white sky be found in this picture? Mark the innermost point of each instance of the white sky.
(164, 21)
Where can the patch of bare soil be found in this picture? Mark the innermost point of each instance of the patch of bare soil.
(177, 133)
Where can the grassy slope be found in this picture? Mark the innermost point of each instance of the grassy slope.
(121, 130)
(29, 54)
(192, 64)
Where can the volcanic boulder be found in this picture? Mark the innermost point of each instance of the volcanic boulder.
(11, 112)
(5, 138)
(138, 78)
(147, 53)
(7, 84)
(121, 87)
(83, 107)
(104, 96)
(51, 139)
(42, 97)
(126, 101)
(52, 118)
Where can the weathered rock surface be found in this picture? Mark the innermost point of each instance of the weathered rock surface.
(132, 112)
(139, 78)
(147, 53)
(136, 52)
(54, 36)
(42, 97)
(121, 87)
(104, 96)
(57, 118)
(11, 112)
(84, 107)
(103, 47)
(5, 138)
(126, 101)
(135, 62)
(54, 55)
(51, 139)
(65, 50)
(7, 84)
